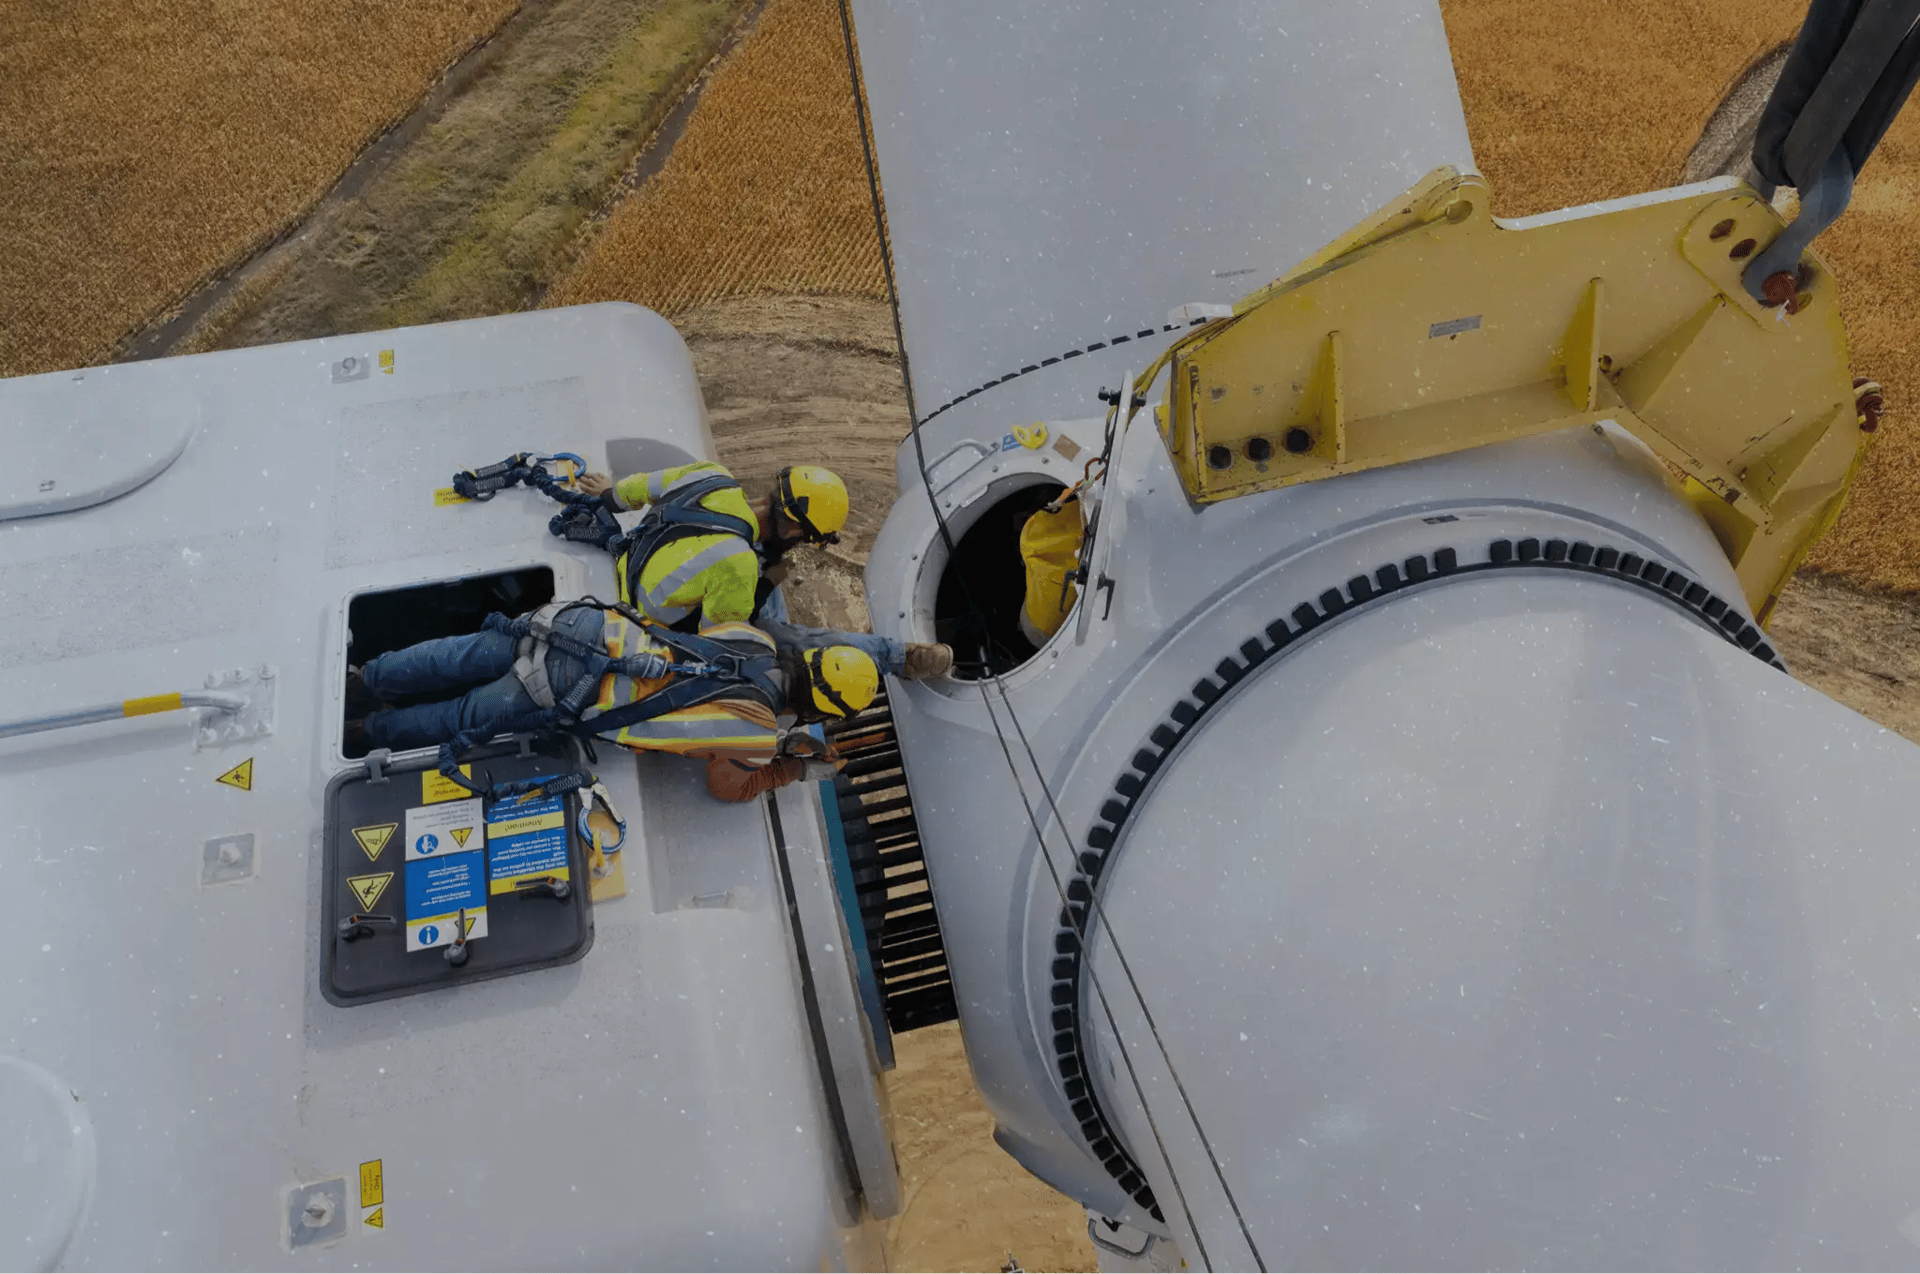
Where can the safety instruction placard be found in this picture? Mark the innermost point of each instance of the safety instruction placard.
(438, 890)
(526, 839)
(446, 828)
(436, 787)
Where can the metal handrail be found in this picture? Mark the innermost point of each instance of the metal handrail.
(124, 708)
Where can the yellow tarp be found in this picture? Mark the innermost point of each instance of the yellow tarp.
(1050, 547)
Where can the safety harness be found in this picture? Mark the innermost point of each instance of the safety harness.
(704, 669)
(675, 516)
(589, 519)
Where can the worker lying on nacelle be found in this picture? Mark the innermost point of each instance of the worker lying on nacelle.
(707, 553)
(589, 670)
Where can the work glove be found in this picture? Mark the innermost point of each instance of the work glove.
(814, 767)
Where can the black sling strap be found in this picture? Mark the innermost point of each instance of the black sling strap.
(744, 676)
(675, 517)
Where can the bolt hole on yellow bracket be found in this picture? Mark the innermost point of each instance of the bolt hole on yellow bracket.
(1434, 326)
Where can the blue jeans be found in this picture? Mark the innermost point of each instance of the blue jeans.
(889, 654)
(482, 661)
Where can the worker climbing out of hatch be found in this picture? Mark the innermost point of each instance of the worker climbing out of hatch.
(579, 667)
(1050, 542)
(708, 553)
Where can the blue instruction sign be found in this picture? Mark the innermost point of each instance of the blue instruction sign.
(438, 889)
(526, 839)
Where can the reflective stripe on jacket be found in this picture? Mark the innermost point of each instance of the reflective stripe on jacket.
(715, 574)
(729, 730)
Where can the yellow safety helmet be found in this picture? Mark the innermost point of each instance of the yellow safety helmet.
(815, 499)
(844, 679)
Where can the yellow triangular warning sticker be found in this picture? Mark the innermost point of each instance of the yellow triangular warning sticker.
(240, 776)
(374, 838)
(369, 888)
(377, 1218)
(460, 835)
(470, 920)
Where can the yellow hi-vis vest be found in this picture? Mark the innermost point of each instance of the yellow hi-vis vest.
(1050, 547)
(716, 574)
(729, 729)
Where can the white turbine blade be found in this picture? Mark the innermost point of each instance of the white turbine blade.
(1057, 173)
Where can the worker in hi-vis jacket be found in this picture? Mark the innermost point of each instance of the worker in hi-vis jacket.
(708, 553)
(577, 667)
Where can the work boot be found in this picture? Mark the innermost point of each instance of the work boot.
(927, 659)
(360, 700)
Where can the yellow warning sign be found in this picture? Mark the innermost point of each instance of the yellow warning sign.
(386, 361)
(372, 1188)
(377, 1218)
(460, 835)
(434, 788)
(470, 923)
(368, 890)
(240, 776)
(374, 838)
(447, 495)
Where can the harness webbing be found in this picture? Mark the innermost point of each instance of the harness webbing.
(730, 675)
(676, 516)
(706, 670)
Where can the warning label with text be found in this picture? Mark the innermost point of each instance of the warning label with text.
(446, 828)
(526, 839)
(438, 889)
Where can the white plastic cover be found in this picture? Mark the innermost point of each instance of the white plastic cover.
(67, 447)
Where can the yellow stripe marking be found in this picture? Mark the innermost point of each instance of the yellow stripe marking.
(151, 703)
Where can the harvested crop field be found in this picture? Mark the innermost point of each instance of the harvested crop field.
(765, 192)
(475, 204)
(146, 145)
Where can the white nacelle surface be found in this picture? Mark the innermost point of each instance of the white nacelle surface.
(658, 1103)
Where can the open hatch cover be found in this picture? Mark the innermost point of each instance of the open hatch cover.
(420, 873)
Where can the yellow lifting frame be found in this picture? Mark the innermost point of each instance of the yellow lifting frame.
(1434, 326)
